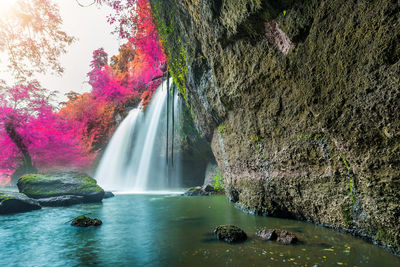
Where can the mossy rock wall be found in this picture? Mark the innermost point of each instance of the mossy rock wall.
(310, 133)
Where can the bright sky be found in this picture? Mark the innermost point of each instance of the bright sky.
(89, 25)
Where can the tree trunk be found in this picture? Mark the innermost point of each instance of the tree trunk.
(27, 166)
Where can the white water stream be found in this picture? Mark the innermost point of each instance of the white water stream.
(135, 159)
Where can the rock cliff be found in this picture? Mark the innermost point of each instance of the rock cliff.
(301, 103)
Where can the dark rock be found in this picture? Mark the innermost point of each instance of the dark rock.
(287, 238)
(196, 192)
(267, 234)
(230, 233)
(280, 236)
(60, 184)
(108, 194)
(83, 221)
(61, 201)
(13, 202)
(208, 188)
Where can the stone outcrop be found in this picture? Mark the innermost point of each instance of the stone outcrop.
(300, 101)
(50, 185)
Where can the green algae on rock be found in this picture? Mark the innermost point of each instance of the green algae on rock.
(60, 184)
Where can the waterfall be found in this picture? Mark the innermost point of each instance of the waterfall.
(134, 160)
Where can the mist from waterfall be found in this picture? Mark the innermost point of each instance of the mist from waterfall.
(135, 160)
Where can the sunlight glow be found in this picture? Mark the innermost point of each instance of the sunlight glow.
(6, 5)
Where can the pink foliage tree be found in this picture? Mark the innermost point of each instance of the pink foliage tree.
(32, 136)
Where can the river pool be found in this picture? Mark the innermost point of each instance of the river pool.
(171, 230)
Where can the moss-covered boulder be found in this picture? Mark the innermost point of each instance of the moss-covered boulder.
(13, 202)
(230, 233)
(83, 221)
(60, 184)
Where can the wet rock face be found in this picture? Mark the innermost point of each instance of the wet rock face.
(230, 234)
(83, 221)
(12, 202)
(61, 201)
(313, 133)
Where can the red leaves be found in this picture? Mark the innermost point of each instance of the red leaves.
(51, 141)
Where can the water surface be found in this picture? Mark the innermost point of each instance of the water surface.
(170, 230)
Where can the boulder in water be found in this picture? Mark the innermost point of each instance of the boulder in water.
(108, 194)
(208, 188)
(196, 192)
(230, 233)
(287, 238)
(83, 221)
(267, 234)
(60, 184)
(61, 201)
(280, 236)
(13, 202)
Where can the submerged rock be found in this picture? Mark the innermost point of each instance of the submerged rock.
(267, 234)
(108, 194)
(60, 184)
(196, 192)
(61, 201)
(230, 233)
(83, 221)
(13, 202)
(281, 236)
(287, 238)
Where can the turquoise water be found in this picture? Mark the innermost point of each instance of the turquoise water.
(170, 230)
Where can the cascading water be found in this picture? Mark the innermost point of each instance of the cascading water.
(135, 158)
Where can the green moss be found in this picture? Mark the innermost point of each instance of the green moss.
(350, 179)
(222, 128)
(174, 47)
(347, 214)
(218, 183)
(30, 178)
